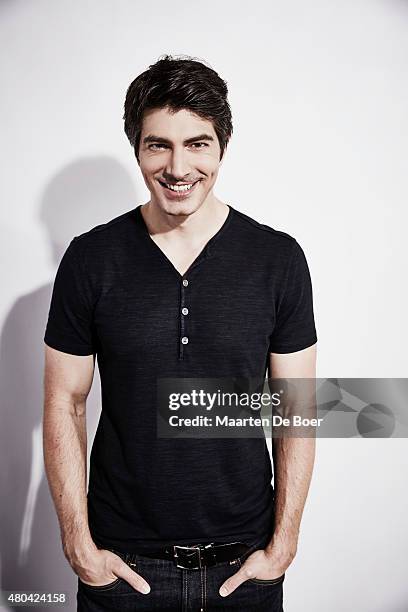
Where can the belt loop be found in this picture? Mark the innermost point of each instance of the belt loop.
(131, 560)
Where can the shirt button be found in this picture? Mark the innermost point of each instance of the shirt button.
(184, 311)
(184, 340)
(185, 282)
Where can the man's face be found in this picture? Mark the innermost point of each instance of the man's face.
(178, 149)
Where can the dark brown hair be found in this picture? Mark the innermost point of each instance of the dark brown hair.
(178, 83)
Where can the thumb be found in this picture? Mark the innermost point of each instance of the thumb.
(132, 577)
(236, 580)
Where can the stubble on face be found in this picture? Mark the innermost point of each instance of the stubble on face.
(179, 148)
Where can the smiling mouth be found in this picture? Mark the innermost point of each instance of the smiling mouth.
(179, 188)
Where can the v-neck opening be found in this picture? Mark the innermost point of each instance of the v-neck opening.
(204, 253)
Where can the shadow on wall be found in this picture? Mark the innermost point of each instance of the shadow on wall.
(84, 194)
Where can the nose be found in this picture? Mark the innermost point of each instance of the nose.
(177, 166)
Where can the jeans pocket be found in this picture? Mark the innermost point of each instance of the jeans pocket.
(271, 582)
(102, 587)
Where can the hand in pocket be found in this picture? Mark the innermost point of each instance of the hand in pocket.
(104, 568)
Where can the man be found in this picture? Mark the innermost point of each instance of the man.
(185, 286)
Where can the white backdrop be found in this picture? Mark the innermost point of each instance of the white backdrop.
(319, 96)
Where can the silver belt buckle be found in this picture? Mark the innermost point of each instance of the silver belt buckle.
(185, 553)
(184, 556)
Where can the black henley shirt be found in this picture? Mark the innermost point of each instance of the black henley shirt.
(117, 295)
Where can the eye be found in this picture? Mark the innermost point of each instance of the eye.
(156, 146)
(199, 145)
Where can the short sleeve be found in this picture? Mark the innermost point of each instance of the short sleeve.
(70, 327)
(295, 326)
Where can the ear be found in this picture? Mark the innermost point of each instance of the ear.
(223, 155)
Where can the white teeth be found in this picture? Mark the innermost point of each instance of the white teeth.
(179, 187)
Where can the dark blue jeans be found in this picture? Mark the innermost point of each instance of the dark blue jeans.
(181, 590)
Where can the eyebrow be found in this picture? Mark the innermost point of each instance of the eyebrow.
(153, 138)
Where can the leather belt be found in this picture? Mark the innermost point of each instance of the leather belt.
(199, 555)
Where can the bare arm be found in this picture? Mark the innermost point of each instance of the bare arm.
(293, 459)
(67, 382)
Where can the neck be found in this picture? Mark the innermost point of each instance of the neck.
(187, 228)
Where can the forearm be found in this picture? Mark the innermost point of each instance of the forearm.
(293, 460)
(65, 448)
